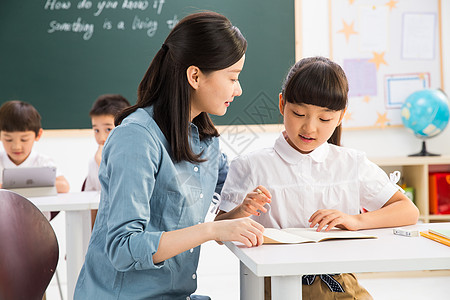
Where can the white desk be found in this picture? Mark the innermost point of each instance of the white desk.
(78, 227)
(287, 263)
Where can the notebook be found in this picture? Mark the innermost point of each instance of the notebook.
(30, 182)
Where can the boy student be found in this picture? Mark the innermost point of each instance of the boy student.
(20, 127)
(102, 116)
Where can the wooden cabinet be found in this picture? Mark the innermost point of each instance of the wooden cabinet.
(415, 172)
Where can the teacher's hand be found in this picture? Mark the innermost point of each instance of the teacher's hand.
(243, 230)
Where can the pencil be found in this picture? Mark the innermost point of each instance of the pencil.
(435, 238)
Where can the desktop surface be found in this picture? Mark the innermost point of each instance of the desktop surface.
(387, 253)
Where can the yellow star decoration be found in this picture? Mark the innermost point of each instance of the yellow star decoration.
(378, 59)
(391, 4)
(382, 120)
(347, 116)
(366, 99)
(422, 76)
(347, 30)
(351, 2)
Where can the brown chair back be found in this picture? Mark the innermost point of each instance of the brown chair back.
(28, 249)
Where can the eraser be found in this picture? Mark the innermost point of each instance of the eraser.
(406, 232)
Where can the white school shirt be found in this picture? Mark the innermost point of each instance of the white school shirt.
(92, 181)
(330, 177)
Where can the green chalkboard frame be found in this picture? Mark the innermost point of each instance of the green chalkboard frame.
(62, 72)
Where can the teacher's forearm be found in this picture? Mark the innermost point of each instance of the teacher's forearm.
(243, 230)
(175, 242)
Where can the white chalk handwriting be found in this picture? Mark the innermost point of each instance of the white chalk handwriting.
(97, 15)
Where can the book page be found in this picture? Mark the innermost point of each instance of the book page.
(312, 234)
(305, 235)
(278, 236)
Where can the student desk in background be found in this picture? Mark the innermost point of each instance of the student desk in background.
(78, 227)
(286, 263)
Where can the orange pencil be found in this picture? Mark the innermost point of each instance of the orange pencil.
(435, 237)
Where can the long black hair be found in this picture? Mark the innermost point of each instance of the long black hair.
(318, 81)
(206, 40)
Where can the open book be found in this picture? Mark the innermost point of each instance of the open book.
(309, 235)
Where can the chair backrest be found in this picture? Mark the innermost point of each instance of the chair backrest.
(83, 186)
(28, 249)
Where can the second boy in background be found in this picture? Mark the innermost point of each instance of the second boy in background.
(102, 115)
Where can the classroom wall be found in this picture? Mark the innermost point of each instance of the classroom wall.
(72, 149)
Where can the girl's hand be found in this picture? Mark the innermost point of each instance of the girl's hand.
(244, 230)
(333, 218)
(254, 202)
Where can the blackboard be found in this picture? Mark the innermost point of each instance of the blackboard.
(61, 55)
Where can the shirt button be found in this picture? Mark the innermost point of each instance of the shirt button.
(188, 298)
(194, 276)
(201, 195)
(192, 250)
(195, 169)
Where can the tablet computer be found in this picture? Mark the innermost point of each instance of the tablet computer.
(29, 177)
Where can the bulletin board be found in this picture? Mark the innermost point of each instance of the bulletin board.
(388, 50)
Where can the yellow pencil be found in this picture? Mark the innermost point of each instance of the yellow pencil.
(435, 237)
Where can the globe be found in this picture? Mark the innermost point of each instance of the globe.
(426, 113)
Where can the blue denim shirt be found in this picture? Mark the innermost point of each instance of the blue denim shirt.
(144, 193)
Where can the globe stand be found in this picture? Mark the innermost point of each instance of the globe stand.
(424, 151)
